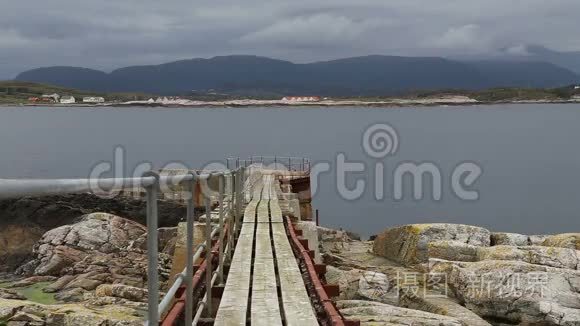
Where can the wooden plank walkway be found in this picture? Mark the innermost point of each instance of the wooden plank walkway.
(271, 252)
(233, 307)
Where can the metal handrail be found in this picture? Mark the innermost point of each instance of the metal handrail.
(291, 163)
(152, 181)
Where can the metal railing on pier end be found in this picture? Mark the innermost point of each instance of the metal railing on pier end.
(288, 163)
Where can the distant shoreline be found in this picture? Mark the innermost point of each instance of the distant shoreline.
(433, 102)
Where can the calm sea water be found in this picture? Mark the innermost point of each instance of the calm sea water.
(529, 154)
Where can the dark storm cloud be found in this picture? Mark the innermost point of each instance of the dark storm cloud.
(111, 33)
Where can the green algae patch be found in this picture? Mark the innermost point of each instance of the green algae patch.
(34, 293)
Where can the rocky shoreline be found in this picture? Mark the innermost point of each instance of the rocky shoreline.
(448, 274)
(82, 266)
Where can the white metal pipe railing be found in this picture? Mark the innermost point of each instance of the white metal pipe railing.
(152, 182)
(13, 188)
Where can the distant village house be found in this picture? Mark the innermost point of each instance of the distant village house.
(51, 97)
(35, 99)
(93, 99)
(67, 100)
(301, 98)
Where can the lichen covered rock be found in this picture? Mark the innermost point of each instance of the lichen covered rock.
(408, 244)
(566, 240)
(452, 250)
(122, 291)
(509, 239)
(539, 255)
(67, 314)
(515, 291)
(376, 313)
(356, 284)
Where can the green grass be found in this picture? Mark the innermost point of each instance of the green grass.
(34, 293)
(490, 95)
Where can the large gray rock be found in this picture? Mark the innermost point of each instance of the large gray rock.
(100, 248)
(26, 313)
(130, 293)
(509, 239)
(514, 291)
(95, 233)
(539, 255)
(442, 305)
(378, 314)
(546, 256)
(59, 284)
(408, 244)
(452, 250)
(565, 240)
(356, 284)
(10, 294)
(31, 280)
(25, 220)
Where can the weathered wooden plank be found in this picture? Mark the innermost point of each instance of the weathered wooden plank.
(250, 211)
(276, 212)
(265, 310)
(262, 210)
(234, 304)
(297, 306)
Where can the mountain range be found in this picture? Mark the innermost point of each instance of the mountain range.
(357, 76)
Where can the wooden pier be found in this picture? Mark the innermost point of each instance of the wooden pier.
(264, 282)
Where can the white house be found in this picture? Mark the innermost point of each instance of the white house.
(301, 98)
(576, 87)
(93, 99)
(67, 100)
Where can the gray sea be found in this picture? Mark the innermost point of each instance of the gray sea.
(528, 154)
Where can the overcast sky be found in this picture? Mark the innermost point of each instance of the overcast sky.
(106, 34)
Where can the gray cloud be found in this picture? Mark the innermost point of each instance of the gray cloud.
(107, 34)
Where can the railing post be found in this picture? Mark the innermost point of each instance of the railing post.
(208, 258)
(233, 216)
(221, 229)
(152, 250)
(189, 267)
(241, 199)
(235, 200)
